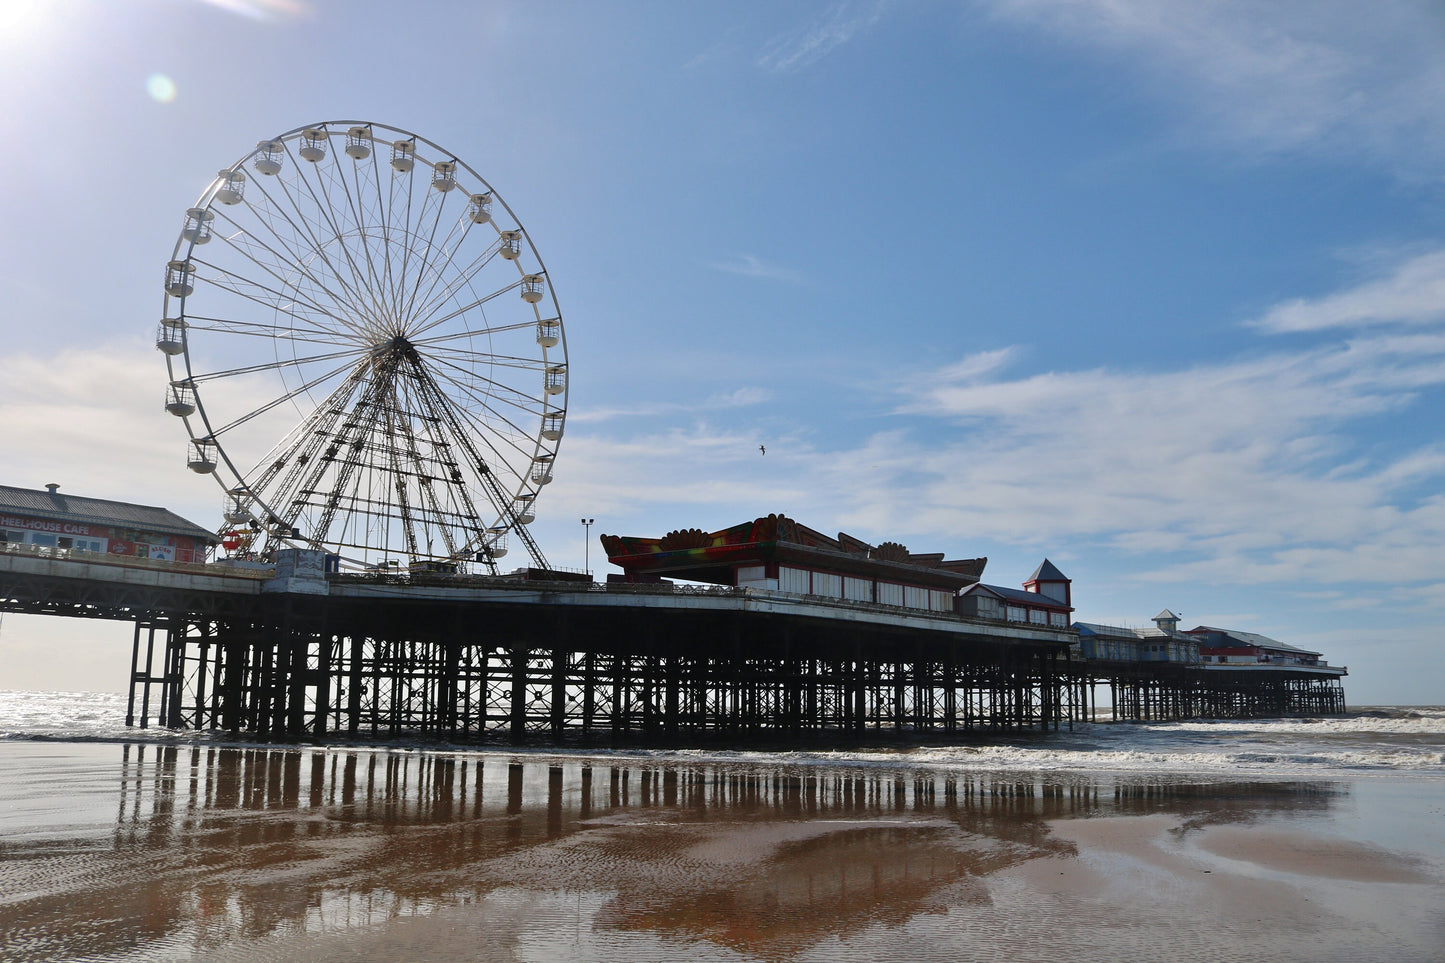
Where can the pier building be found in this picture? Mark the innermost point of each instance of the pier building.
(1162, 642)
(1164, 673)
(54, 522)
(774, 553)
(1233, 648)
(1045, 599)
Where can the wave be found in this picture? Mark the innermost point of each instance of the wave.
(1374, 740)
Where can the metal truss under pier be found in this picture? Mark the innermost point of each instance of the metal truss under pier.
(385, 669)
(1158, 691)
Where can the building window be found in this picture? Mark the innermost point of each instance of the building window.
(890, 593)
(1058, 619)
(794, 580)
(1038, 616)
(857, 589)
(828, 585)
(1017, 613)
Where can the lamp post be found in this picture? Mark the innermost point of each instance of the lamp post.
(587, 544)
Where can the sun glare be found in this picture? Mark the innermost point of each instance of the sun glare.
(161, 88)
(262, 9)
(20, 19)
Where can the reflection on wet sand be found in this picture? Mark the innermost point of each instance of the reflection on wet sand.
(211, 845)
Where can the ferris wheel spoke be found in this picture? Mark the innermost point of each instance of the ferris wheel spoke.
(438, 340)
(455, 357)
(467, 381)
(450, 245)
(326, 207)
(414, 274)
(487, 430)
(353, 202)
(277, 365)
(288, 396)
(257, 329)
(398, 272)
(462, 279)
(474, 304)
(299, 448)
(424, 266)
(289, 259)
(279, 300)
(306, 234)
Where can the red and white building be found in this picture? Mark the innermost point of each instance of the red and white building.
(1234, 648)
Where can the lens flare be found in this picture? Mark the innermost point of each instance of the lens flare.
(161, 88)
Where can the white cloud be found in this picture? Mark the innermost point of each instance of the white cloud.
(751, 266)
(1237, 463)
(1261, 469)
(1277, 75)
(1413, 293)
(807, 45)
(91, 420)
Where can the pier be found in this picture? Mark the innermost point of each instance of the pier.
(297, 652)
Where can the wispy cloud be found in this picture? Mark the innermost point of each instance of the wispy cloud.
(92, 421)
(801, 48)
(1411, 293)
(1261, 469)
(1277, 75)
(751, 266)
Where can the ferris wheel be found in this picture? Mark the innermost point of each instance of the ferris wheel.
(366, 351)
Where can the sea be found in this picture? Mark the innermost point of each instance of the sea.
(1318, 839)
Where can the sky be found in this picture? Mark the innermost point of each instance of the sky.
(1152, 288)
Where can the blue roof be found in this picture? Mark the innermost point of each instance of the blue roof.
(1253, 639)
(1019, 595)
(1047, 572)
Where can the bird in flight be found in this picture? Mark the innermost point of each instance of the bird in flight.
(763, 449)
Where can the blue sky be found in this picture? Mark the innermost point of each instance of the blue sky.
(1154, 289)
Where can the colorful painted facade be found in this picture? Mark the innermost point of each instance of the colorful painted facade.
(49, 521)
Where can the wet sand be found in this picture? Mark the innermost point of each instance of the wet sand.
(143, 852)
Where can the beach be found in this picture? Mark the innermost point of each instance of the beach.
(117, 849)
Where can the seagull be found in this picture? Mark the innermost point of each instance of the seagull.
(763, 449)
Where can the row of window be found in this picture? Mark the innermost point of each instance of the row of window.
(74, 543)
(802, 581)
(990, 608)
(1122, 650)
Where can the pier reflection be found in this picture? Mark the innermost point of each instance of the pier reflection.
(214, 845)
